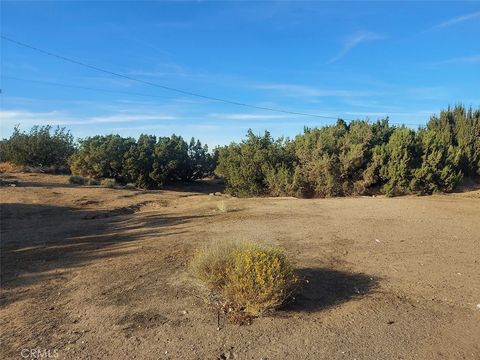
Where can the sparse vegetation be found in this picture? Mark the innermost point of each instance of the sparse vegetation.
(7, 166)
(108, 183)
(222, 206)
(251, 278)
(80, 180)
(77, 179)
(92, 182)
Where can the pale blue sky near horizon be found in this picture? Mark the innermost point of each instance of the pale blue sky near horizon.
(407, 60)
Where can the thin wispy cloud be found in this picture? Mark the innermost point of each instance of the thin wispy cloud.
(28, 118)
(456, 20)
(353, 41)
(460, 60)
(243, 116)
(310, 91)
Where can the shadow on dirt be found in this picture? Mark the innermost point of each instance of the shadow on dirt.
(203, 186)
(206, 186)
(325, 287)
(40, 242)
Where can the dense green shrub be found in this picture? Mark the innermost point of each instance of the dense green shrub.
(253, 166)
(402, 158)
(138, 162)
(40, 147)
(333, 159)
(147, 163)
(357, 158)
(101, 156)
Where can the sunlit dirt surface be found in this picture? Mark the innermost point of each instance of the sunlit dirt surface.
(96, 273)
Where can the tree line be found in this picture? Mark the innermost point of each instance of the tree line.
(148, 162)
(357, 158)
(336, 160)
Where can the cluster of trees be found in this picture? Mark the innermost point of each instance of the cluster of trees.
(146, 162)
(40, 147)
(337, 160)
(357, 158)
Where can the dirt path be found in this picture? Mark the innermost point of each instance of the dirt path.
(94, 273)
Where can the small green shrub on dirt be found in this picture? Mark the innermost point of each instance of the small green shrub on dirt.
(76, 179)
(108, 183)
(93, 182)
(252, 279)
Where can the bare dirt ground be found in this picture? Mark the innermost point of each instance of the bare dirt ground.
(95, 273)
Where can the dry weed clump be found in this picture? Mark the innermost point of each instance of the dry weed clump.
(7, 166)
(77, 179)
(80, 180)
(210, 263)
(252, 279)
(222, 206)
(108, 183)
(259, 279)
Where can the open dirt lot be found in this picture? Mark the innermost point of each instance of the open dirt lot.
(95, 273)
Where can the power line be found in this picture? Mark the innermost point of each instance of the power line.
(189, 93)
(184, 92)
(51, 83)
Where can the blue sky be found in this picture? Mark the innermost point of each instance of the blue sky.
(361, 60)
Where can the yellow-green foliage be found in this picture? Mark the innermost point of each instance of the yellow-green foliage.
(252, 278)
(109, 183)
(259, 279)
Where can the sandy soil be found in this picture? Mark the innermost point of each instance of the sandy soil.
(95, 273)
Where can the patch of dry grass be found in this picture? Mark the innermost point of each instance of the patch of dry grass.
(7, 166)
(108, 183)
(222, 206)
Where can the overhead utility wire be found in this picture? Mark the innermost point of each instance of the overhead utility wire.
(51, 83)
(189, 93)
(45, 52)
